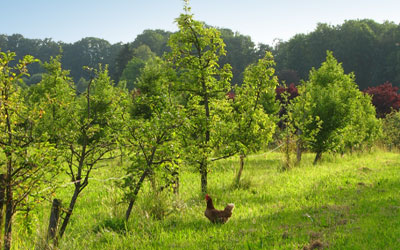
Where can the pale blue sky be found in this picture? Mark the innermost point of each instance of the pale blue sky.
(123, 20)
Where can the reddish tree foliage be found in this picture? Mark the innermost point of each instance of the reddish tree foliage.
(280, 90)
(292, 90)
(385, 98)
(231, 95)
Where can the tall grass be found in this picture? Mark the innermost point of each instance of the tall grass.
(349, 202)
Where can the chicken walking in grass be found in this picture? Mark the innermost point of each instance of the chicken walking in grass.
(218, 216)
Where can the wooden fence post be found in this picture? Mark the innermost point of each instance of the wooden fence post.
(54, 219)
(239, 174)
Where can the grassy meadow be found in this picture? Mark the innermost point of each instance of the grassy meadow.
(349, 202)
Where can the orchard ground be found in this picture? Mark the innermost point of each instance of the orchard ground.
(349, 202)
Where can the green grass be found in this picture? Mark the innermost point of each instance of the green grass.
(350, 202)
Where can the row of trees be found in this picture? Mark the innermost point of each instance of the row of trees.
(178, 114)
(371, 50)
(88, 51)
(91, 51)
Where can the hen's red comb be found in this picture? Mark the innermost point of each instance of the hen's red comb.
(207, 197)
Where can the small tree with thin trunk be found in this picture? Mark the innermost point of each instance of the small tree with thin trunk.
(252, 127)
(53, 97)
(94, 115)
(27, 157)
(80, 125)
(202, 84)
(287, 128)
(152, 118)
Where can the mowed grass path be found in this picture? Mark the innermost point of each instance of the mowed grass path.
(350, 202)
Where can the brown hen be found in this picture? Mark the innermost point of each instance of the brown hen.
(218, 216)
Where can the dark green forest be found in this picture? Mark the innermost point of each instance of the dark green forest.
(369, 49)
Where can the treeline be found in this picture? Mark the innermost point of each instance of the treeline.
(369, 49)
(91, 51)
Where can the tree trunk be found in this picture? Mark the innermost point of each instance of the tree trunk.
(203, 166)
(299, 153)
(70, 209)
(240, 169)
(54, 220)
(8, 219)
(176, 187)
(2, 201)
(152, 178)
(299, 149)
(287, 149)
(317, 157)
(9, 205)
(121, 157)
(176, 184)
(135, 193)
(203, 173)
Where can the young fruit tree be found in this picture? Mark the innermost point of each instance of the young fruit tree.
(202, 85)
(252, 127)
(152, 118)
(332, 112)
(80, 125)
(94, 115)
(284, 96)
(25, 156)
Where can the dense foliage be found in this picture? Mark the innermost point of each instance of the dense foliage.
(26, 157)
(391, 130)
(331, 112)
(195, 53)
(291, 90)
(367, 48)
(92, 51)
(152, 119)
(252, 124)
(385, 98)
(80, 125)
(285, 94)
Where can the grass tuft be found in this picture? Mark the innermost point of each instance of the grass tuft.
(117, 225)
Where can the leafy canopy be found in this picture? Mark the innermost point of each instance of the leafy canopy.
(331, 111)
(202, 85)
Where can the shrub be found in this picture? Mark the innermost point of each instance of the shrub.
(385, 98)
(391, 129)
(331, 112)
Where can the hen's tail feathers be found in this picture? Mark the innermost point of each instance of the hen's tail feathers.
(230, 207)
